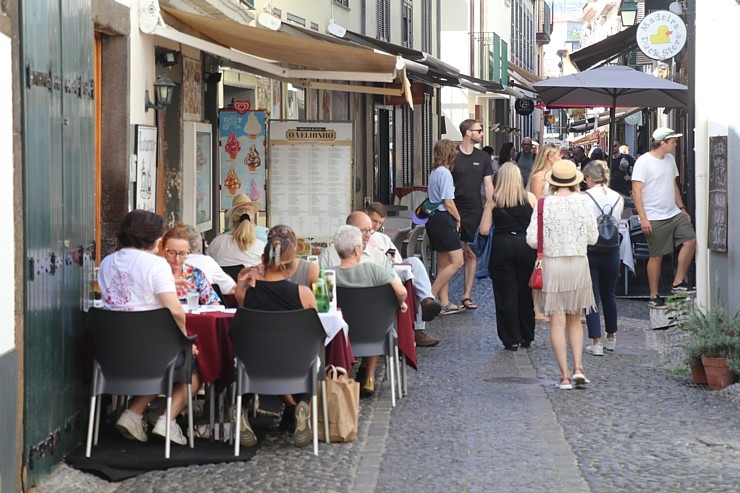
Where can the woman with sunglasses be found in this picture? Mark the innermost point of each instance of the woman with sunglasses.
(188, 278)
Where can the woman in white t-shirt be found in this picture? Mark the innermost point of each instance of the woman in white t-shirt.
(240, 246)
(604, 265)
(135, 278)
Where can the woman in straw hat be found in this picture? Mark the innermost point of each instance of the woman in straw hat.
(240, 246)
(569, 226)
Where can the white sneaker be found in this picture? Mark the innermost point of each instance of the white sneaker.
(595, 349)
(247, 438)
(132, 426)
(176, 434)
(610, 344)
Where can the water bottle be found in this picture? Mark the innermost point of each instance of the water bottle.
(321, 292)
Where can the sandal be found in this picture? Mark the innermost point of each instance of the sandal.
(565, 383)
(468, 304)
(449, 309)
(579, 378)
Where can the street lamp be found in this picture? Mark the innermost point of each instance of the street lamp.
(164, 88)
(628, 12)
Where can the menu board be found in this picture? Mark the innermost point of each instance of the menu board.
(717, 240)
(310, 178)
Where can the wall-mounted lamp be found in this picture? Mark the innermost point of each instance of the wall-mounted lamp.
(212, 78)
(165, 57)
(163, 90)
(628, 12)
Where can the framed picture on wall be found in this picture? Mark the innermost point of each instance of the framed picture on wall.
(146, 168)
(197, 173)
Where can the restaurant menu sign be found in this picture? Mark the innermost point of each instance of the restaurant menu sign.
(661, 35)
(310, 179)
(718, 210)
(242, 153)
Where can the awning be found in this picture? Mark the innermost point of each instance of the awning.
(606, 50)
(283, 56)
(586, 124)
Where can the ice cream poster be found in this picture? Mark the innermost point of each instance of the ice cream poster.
(242, 145)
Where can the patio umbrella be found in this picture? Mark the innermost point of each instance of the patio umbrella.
(611, 86)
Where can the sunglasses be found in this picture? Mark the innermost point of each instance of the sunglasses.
(476, 130)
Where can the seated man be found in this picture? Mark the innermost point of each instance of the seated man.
(351, 273)
(429, 306)
(429, 309)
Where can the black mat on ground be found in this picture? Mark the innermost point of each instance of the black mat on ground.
(116, 458)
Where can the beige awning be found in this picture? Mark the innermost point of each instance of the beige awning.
(286, 57)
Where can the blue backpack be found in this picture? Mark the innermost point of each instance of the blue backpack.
(608, 226)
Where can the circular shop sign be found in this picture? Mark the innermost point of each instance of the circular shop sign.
(524, 106)
(661, 35)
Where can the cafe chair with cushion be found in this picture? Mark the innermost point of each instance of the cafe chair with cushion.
(232, 270)
(137, 353)
(277, 353)
(371, 316)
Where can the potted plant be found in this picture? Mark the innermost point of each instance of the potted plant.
(683, 314)
(714, 337)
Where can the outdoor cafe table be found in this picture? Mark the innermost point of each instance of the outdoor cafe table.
(405, 321)
(215, 355)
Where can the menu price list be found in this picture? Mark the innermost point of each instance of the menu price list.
(310, 186)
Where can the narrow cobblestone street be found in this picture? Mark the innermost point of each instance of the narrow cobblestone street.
(479, 418)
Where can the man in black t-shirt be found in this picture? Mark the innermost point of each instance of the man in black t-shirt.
(472, 169)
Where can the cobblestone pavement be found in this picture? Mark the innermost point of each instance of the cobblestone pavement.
(479, 418)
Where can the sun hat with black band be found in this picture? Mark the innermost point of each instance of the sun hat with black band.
(564, 174)
(664, 133)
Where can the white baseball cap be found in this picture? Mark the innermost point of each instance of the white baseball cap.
(665, 133)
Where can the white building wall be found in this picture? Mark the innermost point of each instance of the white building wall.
(142, 70)
(716, 273)
(455, 50)
(7, 216)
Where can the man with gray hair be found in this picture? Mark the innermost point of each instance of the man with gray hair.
(214, 273)
(351, 272)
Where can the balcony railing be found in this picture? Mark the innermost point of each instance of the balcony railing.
(544, 27)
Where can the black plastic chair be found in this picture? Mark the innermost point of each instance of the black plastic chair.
(137, 353)
(371, 316)
(232, 270)
(278, 352)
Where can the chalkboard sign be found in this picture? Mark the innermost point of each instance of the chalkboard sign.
(717, 238)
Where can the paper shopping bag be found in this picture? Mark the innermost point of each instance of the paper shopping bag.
(343, 406)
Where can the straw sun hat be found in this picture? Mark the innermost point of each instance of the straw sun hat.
(240, 201)
(564, 174)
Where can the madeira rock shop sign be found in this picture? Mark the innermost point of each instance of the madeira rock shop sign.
(661, 35)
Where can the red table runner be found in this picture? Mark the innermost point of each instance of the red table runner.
(405, 327)
(215, 355)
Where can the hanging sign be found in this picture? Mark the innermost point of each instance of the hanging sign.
(661, 35)
(524, 106)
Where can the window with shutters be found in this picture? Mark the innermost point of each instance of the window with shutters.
(407, 19)
(426, 139)
(343, 3)
(426, 26)
(384, 20)
(407, 146)
(247, 3)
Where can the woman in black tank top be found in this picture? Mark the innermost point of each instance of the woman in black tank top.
(511, 260)
(274, 292)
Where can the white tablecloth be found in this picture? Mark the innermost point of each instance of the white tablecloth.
(625, 248)
(403, 271)
(333, 322)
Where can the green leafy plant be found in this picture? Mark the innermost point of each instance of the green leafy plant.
(713, 332)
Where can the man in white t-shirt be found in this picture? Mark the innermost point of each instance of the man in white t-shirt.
(663, 217)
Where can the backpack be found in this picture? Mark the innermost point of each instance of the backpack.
(608, 227)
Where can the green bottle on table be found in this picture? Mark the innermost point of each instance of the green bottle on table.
(321, 292)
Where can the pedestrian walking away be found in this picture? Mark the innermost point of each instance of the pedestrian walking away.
(663, 216)
(509, 211)
(603, 262)
(471, 171)
(568, 226)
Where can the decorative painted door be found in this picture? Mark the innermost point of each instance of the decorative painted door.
(59, 231)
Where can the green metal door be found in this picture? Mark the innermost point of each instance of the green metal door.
(59, 172)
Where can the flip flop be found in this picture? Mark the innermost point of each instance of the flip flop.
(468, 304)
(449, 310)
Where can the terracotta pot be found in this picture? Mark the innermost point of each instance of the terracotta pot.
(700, 376)
(718, 373)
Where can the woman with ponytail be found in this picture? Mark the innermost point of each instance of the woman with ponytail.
(272, 291)
(240, 246)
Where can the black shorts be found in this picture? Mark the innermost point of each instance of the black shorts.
(441, 229)
(469, 224)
